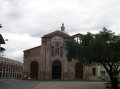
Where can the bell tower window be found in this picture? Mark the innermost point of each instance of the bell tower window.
(61, 51)
(52, 51)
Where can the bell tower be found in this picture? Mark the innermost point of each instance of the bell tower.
(63, 27)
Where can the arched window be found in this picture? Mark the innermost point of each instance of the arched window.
(9, 67)
(14, 67)
(1, 65)
(52, 49)
(58, 51)
(4, 66)
(55, 51)
(61, 51)
(94, 71)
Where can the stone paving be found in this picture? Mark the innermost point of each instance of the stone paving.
(30, 84)
(70, 85)
(17, 84)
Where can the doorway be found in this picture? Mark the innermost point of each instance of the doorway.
(56, 70)
(34, 70)
(79, 71)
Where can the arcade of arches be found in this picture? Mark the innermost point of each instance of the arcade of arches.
(10, 68)
(56, 70)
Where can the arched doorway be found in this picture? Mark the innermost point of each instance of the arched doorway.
(56, 70)
(34, 70)
(79, 71)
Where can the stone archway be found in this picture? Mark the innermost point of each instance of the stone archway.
(34, 70)
(78, 71)
(56, 70)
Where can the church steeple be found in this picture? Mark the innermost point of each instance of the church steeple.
(62, 27)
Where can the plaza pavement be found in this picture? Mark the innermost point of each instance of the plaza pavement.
(17, 84)
(30, 84)
(70, 85)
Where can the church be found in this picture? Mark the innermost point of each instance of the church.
(48, 61)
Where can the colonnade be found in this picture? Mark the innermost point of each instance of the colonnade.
(10, 68)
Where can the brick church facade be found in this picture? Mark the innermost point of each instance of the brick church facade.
(49, 61)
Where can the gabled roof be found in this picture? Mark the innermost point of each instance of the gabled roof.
(76, 35)
(31, 48)
(1, 40)
(60, 33)
(10, 60)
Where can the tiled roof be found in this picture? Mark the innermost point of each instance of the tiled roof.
(76, 35)
(60, 33)
(9, 60)
(32, 48)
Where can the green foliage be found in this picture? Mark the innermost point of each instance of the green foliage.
(102, 48)
(106, 47)
(95, 48)
(71, 47)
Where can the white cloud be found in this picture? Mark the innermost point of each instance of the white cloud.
(17, 43)
(31, 19)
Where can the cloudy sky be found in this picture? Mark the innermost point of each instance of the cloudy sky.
(26, 21)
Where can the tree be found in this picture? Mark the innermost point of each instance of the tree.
(102, 48)
(0, 26)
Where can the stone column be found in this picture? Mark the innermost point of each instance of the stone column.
(12, 76)
(10, 70)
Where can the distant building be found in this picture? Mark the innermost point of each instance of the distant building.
(49, 61)
(10, 68)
